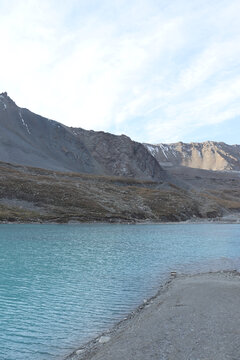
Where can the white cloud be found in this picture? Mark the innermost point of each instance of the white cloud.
(157, 70)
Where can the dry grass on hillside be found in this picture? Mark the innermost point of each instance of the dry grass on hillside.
(38, 195)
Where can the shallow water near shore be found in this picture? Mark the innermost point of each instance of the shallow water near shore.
(60, 285)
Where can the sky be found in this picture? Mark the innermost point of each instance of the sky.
(155, 70)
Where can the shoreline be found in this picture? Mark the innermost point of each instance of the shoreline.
(156, 321)
(228, 219)
(94, 343)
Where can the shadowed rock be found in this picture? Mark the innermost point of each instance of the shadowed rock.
(29, 139)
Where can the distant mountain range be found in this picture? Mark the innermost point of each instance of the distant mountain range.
(208, 155)
(50, 172)
(32, 140)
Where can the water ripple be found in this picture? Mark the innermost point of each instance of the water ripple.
(61, 285)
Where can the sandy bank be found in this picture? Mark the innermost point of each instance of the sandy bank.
(192, 317)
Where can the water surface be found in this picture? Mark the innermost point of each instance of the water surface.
(60, 285)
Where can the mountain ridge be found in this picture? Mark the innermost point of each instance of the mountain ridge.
(33, 140)
(208, 155)
(53, 173)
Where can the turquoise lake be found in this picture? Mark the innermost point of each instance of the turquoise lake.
(60, 285)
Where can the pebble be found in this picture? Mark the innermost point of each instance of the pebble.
(104, 339)
(79, 351)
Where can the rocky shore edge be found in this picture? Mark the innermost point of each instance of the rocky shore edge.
(198, 315)
(232, 218)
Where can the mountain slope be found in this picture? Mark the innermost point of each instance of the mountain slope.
(37, 195)
(208, 155)
(32, 140)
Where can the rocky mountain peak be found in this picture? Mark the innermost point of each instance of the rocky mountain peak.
(208, 155)
(30, 139)
(6, 100)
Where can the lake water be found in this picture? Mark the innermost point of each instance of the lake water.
(60, 285)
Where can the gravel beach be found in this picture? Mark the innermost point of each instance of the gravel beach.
(193, 317)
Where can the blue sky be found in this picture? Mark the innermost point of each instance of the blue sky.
(157, 71)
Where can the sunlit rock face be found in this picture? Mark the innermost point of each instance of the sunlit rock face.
(208, 155)
(30, 139)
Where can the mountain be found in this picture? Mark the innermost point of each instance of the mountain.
(32, 140)
(208, 155)
(53, 173)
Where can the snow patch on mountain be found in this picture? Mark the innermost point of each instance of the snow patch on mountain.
(23, 122)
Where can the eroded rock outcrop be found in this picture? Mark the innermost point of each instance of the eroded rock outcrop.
(208, 155)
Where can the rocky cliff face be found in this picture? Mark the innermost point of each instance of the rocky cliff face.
(32, 140)
(208, 155)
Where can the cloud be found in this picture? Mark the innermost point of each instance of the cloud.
(154, 70)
